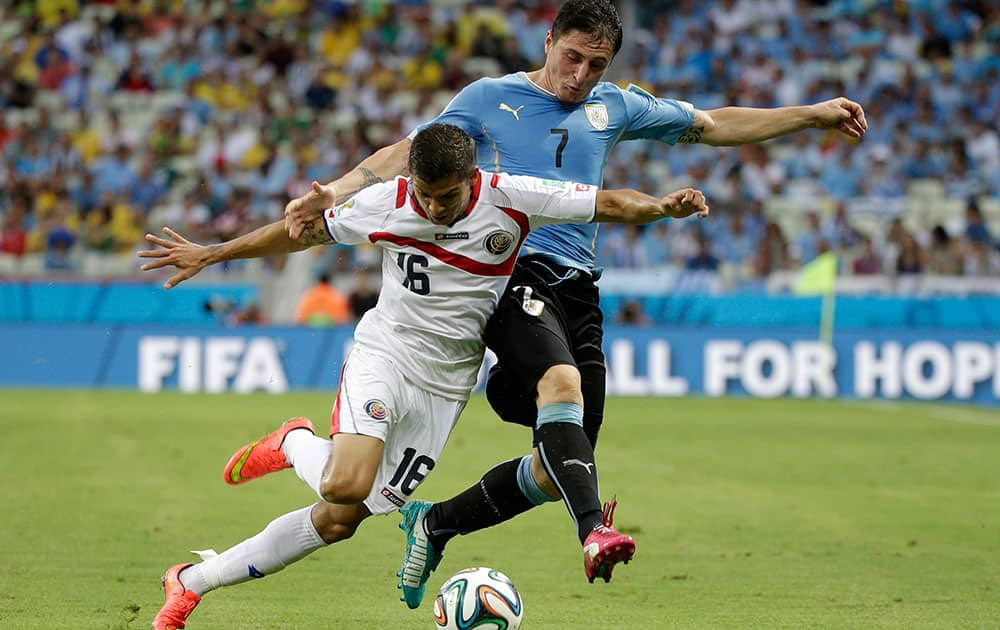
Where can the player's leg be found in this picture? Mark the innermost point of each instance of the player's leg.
(342, 469)
(509, 488)
(267, 454)
(412, 449)
(532, 339)
(285, 540)
(604, 546)
(528, 344)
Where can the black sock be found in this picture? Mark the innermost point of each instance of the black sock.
(492, 500)
(569, 460)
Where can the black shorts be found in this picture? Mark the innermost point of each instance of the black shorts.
(549, 315)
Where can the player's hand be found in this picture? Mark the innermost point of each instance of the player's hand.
(841, 114)
(303, 211)
(685, 202)
(189, 258)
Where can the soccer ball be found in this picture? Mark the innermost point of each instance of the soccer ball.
(480, 598)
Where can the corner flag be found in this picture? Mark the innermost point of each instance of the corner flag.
(820, 278)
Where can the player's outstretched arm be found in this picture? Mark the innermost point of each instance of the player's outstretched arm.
(189, 258)
(731, 126)
(632, 206)
(384, 164)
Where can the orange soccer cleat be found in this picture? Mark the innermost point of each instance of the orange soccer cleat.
(178, 601)
(263, 456)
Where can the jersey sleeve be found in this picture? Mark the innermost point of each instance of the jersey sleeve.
(351, 222)
(548, 201)
(654, 118)
(463, 111)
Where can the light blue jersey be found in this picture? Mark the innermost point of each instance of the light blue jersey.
(522, 129)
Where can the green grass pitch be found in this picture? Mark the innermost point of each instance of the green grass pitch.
(747, 514)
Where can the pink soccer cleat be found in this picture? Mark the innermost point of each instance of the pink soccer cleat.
(263, 456)
(605, 547)
(178, 601)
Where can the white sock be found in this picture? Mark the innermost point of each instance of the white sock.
(308, 453)
(285, 540)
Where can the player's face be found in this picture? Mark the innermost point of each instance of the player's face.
(574, 64)
(444, 201)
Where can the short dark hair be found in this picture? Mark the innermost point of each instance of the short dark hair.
(597, 18)
(441, 151)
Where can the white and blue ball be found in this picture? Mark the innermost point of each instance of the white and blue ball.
(480, 598)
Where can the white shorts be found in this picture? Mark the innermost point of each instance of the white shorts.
(375, 399)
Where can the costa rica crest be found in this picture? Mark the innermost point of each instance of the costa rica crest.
(376, 409)
(597, 115)
(498, 241)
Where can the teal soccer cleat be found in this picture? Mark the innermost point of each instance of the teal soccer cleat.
(420, 558)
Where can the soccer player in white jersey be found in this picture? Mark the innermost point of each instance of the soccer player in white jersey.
(559, 121)
(451, 236)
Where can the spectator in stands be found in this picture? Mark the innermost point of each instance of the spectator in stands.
(975, 229)
(961, 181)
(322, 305)
(944, 254)
(632, 314)
(704, 259)
(841, 177)
(981, 260)
(837, 231)
(807, 243)
(13, 236)
(250, 315)
(733, 242)
(882, 180)
(58, 249)
(867, 261)
(114, 173)
(134, 78)
(922, 162)
(98, 235)
(983, 148)
(50, 52)
(148, 187)
(911, 258)
(623, 248)
(57, 67)
(772, 251)
(655, 243)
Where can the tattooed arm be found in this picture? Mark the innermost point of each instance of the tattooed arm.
(383, 165)
(189, 258)
(730, 126)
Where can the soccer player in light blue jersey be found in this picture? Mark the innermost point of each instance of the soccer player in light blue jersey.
(559, 121)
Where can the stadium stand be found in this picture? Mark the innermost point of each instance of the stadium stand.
(119, 117)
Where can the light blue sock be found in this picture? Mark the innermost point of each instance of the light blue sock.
(529, 487)
(560, 412)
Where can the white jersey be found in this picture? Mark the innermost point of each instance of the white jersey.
(441, 283)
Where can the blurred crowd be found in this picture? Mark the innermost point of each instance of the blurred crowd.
(920, 194)
(208, 115)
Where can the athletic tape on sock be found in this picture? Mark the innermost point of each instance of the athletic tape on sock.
(560, 412)
(529, 487)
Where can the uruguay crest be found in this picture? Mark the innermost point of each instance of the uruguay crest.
(597, 114)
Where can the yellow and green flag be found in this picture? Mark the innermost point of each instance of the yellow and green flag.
(820, 278)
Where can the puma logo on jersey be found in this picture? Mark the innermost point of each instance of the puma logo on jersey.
(580, 463)
(507, 108)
